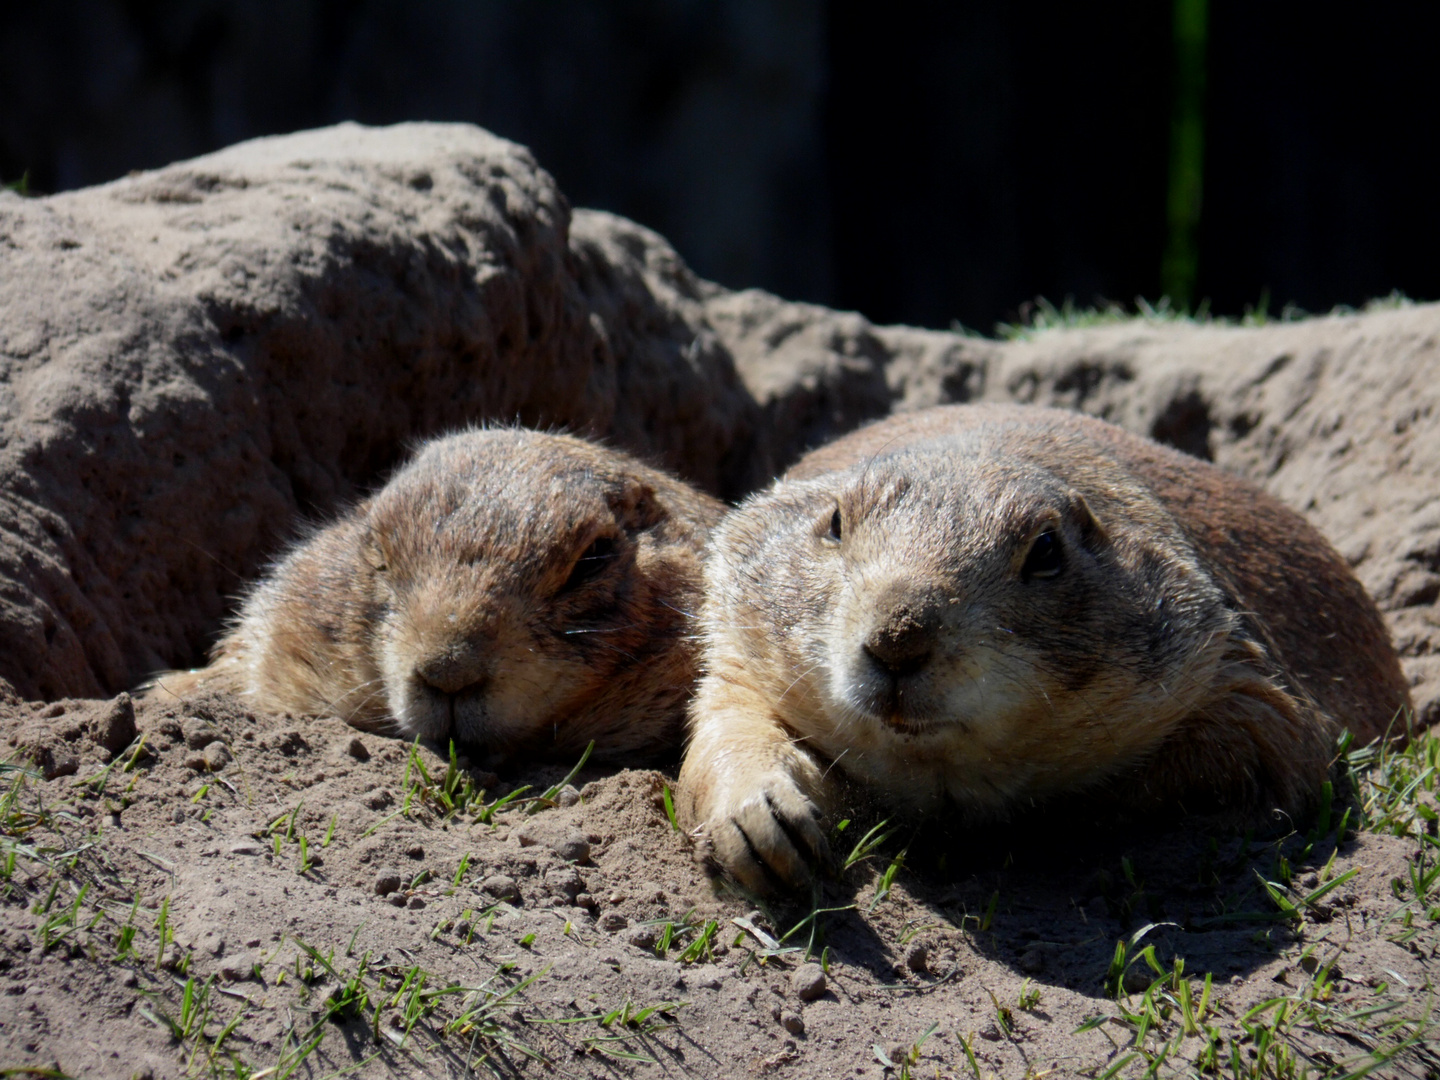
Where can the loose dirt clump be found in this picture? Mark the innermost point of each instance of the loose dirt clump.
(236, 894)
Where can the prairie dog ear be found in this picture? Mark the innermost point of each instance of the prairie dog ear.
(1091, 530)
(637, 507)
(371, 552)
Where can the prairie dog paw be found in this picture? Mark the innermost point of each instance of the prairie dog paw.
(767, 831)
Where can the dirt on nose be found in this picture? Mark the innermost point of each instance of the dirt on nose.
(904, 638)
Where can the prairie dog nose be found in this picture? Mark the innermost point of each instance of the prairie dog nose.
(452, 669)
(903, 637)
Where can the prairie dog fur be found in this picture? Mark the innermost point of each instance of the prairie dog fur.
(505, 588)
(968, 607)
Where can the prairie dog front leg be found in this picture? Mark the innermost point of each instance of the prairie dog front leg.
(755, 797)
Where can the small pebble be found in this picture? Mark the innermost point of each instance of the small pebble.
(792, 1022)
(527, 835)
(177, 815)
(237, 967)
(917, 958)
(416, 903)
(502, 887)
(808, 981)
(114, 729)
(568, 796)
(172, 956)
(198, 733)
(612, 921)
(217, 756)
(586, 901)
(378, 799)
(387, 882)
(564, 881)
(643, 937)
(573, 847)
(415, 851)
(357, 749)
(396, 899)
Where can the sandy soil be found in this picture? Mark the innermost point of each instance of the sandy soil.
(251, 895)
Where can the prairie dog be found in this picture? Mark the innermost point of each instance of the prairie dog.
(505, 588)
(978, 606)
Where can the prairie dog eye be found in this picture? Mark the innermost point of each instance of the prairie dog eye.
(1045, 558)
(836, 525)
(592, 563)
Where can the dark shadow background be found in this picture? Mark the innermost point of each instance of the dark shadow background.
(921, 163)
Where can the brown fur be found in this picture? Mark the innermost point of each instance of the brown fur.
(459, 602)
(1193, 643)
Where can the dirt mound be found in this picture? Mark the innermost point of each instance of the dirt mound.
(236, 891)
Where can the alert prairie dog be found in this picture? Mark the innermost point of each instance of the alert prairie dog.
(506, 588)
(973, 607)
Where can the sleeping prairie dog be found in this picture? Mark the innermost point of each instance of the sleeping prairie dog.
(978, 606)
(506, 588)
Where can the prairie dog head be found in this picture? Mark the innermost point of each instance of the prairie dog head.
(956, 618)
(505, 588)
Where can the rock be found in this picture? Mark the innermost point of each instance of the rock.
(378, 799)
(808, 982)
(217, 756)
(355, 747)
(612, 921)
(387, 881)
(792, 1022)
(396, 899)
(527, 835)
(414, 851)
(113, 727)
(501, 887)
(586, 901)
(416, 903)
(199, 733)
(572, 847)
(568, 796)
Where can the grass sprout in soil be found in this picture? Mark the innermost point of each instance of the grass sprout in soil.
(327, 903)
